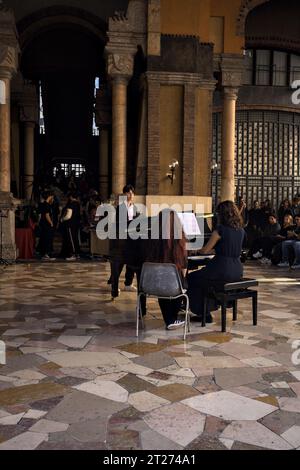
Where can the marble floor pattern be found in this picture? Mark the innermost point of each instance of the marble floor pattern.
(77, 378)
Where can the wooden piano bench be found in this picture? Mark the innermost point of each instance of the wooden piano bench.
(230, 294)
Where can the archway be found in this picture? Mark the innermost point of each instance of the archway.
(245, 8)
(62, 54)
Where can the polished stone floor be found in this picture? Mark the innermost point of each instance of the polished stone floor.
(77, 378)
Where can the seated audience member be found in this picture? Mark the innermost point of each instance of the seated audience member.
(255, 223)
(287, 226)
(226, 266)
(284, 209)
(295, 206)
(267, 210)
(244, 213)
(293, 243)
(262, 247)
(169, 249)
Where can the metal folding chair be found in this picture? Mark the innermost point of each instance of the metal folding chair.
(161, 281)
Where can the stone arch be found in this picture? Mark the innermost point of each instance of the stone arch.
(44, 19)
(245, 8)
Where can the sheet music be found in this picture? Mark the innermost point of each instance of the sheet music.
(189, 224)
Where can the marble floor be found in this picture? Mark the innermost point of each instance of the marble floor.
(77, 378)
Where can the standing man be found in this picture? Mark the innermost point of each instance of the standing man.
(128, 210)
(70, 228)
(47, 226)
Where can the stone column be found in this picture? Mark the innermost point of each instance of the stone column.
(120, 69)
(29, 116)
(103, 163)
(8, 64)
(232, 67)
(119, 133)
(228, 145)
(5, 78)
(29, 159)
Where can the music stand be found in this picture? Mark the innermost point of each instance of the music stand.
(2, 260)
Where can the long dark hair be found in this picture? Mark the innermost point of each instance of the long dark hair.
(169, 248)
(229, 215)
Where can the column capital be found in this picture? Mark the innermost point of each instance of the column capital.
(9, 47)
(8, 61)
(232, 68)
(120, 65)
(230, 93)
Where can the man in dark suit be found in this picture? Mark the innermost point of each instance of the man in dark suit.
(126, 211)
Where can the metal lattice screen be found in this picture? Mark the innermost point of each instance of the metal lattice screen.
(267, 155)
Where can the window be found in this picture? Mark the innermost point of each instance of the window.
(271, 68)
(2, 92)
(248, 75)
(263, 64)
(41, 111)
(280, 68)
(295, 68)
(267, 155)
(79, 168)
(97, 86)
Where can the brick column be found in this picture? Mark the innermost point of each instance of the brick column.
(153, 167)
(189, 139)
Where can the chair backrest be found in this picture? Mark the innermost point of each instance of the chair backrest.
(160, 280)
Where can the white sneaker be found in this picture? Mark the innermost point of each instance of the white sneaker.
(283, 264)
(72, 258)
(48, 258)
(130, 288)
(257, 255)
(296, 266)
(175, 325)
(266, 261)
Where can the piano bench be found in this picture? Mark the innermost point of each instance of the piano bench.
(232, 292)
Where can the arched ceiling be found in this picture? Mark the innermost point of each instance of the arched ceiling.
(274, 24)
(101, 8)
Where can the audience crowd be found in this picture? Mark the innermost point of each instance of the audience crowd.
(67, 205)
(273, 236)
(61, 207)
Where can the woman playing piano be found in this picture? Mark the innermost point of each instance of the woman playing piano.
(227, 241)
(170, 247)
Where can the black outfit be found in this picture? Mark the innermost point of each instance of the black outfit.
(295, 210)
(276, 254)
(266, 212)
(170, 309)
(255, 226)
(47, 232)
(70, 231)
(282, 212)
(267, 241)
(225, 267)
(118, 250)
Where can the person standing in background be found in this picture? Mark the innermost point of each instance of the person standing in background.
(47, 226)
(70, 224)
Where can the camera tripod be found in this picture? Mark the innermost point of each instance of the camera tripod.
(2, 260)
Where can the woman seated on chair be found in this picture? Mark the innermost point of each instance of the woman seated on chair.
(170, 247)
(226, 266)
